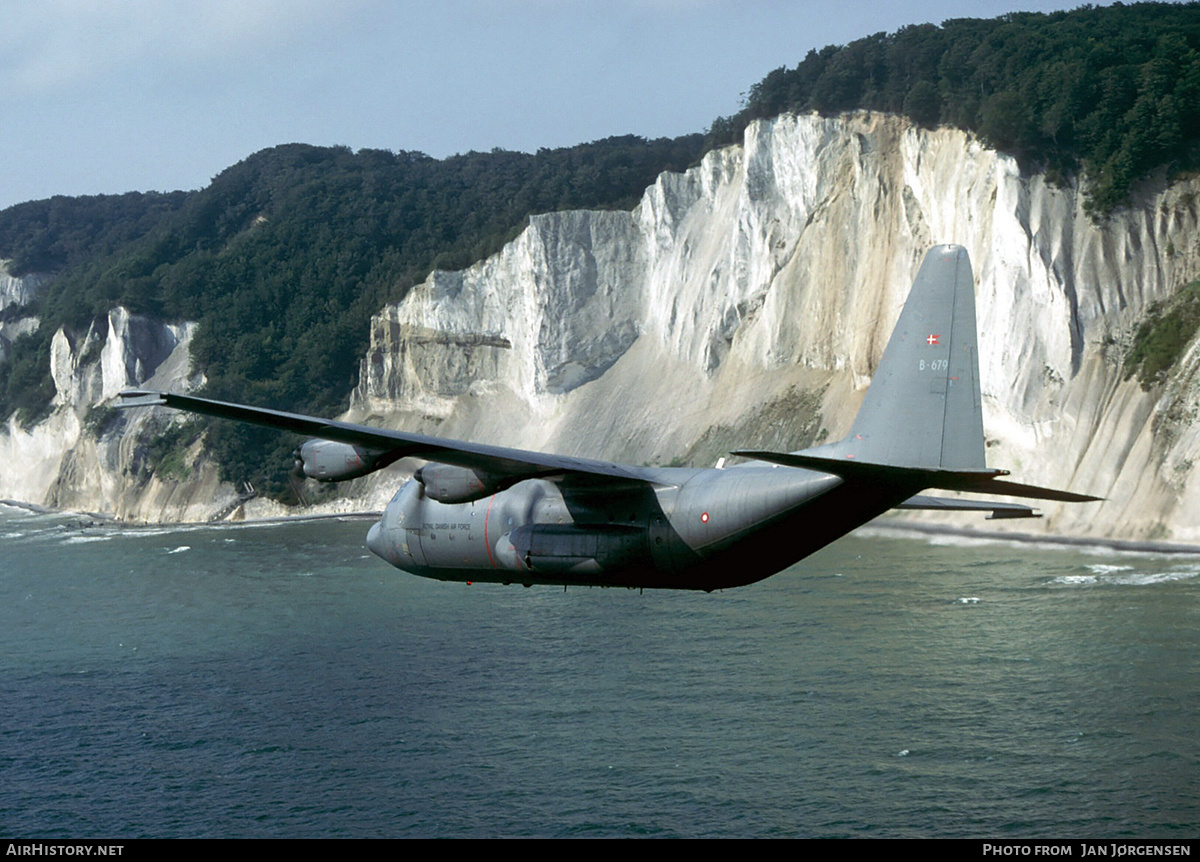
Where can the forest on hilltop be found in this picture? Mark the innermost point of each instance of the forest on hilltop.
(1111, 91)
(284, 257)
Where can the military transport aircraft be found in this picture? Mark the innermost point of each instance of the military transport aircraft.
(485, 513)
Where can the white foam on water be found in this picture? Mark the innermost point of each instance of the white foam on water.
(1127, 576)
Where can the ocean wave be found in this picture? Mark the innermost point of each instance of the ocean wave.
(82, 540)
(1126, 576)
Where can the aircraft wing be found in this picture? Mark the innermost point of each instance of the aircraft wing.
(496, 460)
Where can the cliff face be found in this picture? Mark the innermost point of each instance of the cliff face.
(743, 303)
(84, 455)
(746, 303)
(14, 293)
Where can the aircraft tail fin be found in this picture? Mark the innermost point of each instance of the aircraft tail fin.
(921, 421)
(923, 408)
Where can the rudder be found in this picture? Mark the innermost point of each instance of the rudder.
(923, 407)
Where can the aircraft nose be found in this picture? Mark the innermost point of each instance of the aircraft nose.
(375, 541)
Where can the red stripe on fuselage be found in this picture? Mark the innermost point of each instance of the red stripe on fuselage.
(487, 543)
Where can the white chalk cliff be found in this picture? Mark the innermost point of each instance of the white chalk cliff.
(15, 293)
(746, 303)
(84, 456)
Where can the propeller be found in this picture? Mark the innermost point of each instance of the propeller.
(296, 477)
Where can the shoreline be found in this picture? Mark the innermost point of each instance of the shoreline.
(102, 519)
(882, 525)
(1128, 546)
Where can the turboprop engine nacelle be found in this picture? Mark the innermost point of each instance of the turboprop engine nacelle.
(330, 461)
(449, 484)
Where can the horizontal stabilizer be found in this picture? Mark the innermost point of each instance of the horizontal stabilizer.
(946, 504)
(979, 481)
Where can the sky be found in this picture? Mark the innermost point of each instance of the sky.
(142, 95)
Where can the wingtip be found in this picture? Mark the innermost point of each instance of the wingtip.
(141, 398)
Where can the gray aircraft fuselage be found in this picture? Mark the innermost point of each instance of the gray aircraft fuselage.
(694, 528)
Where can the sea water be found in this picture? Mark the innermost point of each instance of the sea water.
(278, 680)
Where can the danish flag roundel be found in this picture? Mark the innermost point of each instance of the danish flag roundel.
(932, 339)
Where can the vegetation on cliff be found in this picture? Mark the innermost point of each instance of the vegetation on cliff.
(1163, 336)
